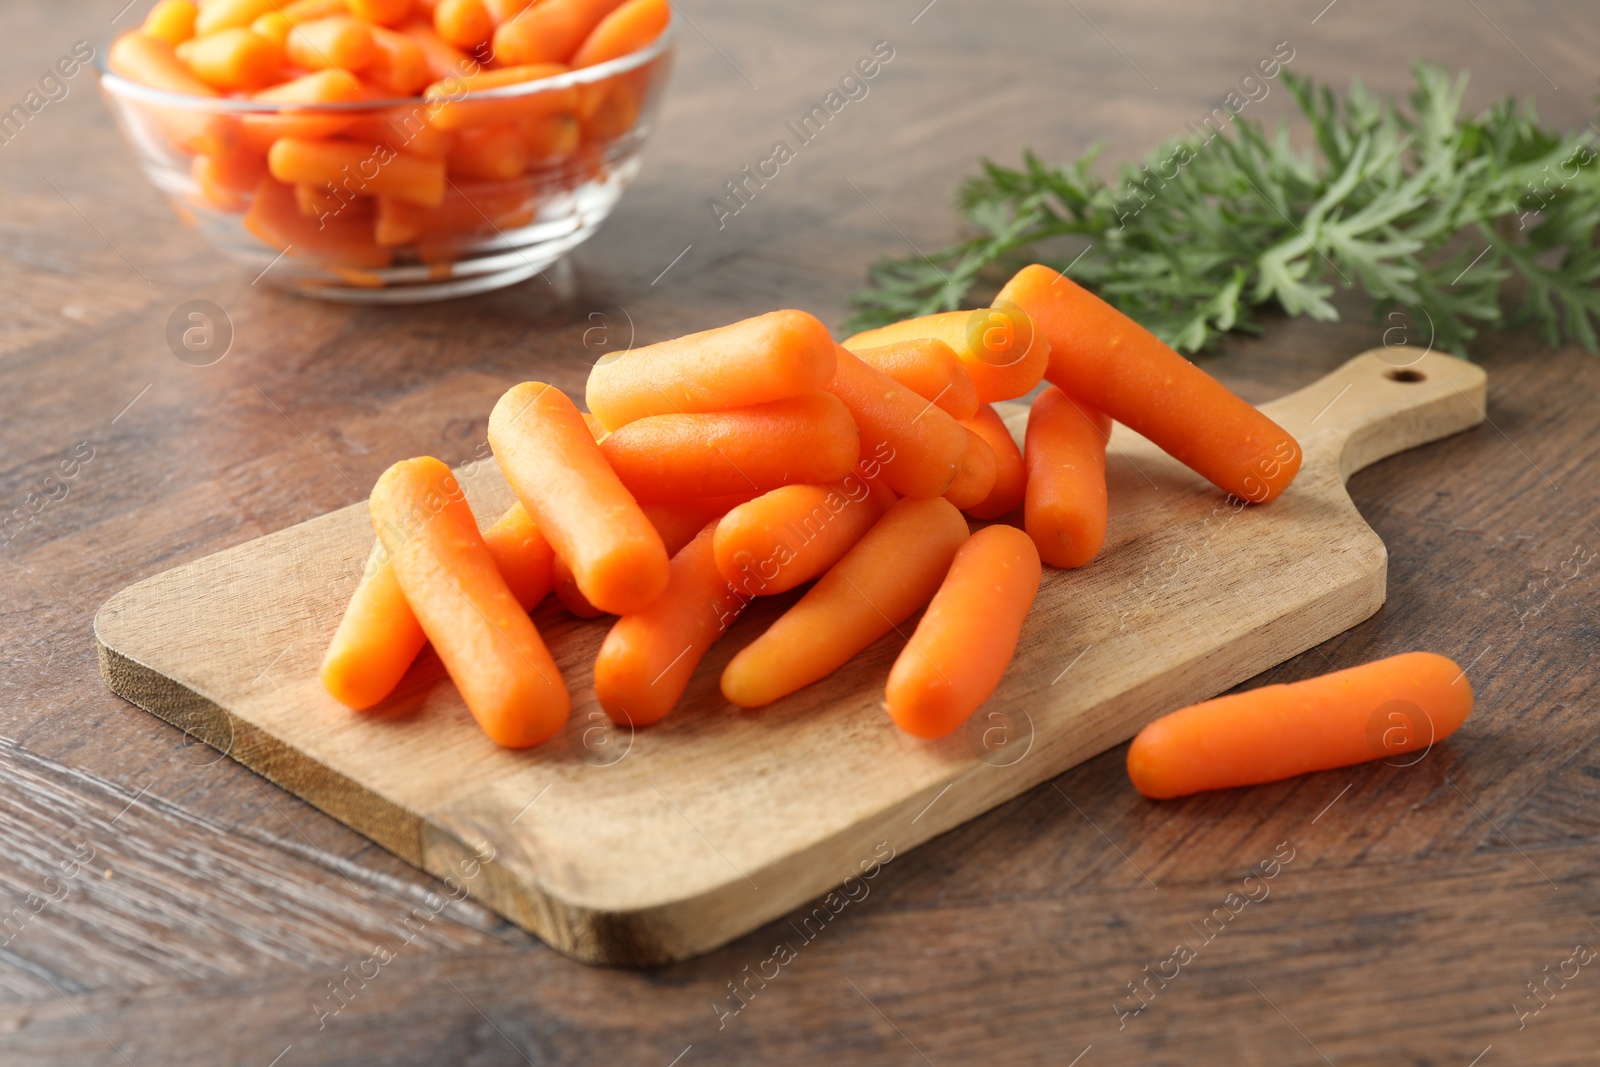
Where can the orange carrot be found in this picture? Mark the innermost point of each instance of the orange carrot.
(337, 41)
(322, 87)
(567, 591)
(216, 15)
(376, 641)
(171, 20)
(445, 60)
(680, 521)
(890, 573)
(624, 31)
(450, 108)
(1010, 474)
(1065, 452)
(381, 12)
(790, 535)
(504, 10)
(921, 447)
(227, 180)
(769, 357)
(373, 170)
(975, 480)
(1395, 705)
(235, 58)
(802, 439)
(609, 109)
(482, 635)
(522, 555)
(151, 61)
(1000, 347)
(649, 656)
(298, 11)
(550, 137)
(274, 26)
(488, 152)
(549, 31)
(562, 478)
(343, 239)
(399, 65)
(1113, 364)
(463, 23)
(929, 368)
(967, 637)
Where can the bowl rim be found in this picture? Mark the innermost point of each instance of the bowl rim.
(117, 85)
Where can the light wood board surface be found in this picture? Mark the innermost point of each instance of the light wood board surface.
(644, 847)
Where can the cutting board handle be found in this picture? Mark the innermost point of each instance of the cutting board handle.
(1382, 402)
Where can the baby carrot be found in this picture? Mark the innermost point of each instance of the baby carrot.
(1110, 362)
(337, 41)
(235, 58)
(769, 357)
(680, 521)
(1001, 348)
(549, 31)
(922, 447)
(802, 439)
(550, 137)
(151, 61)
(274, 26)
(445, 60)
(975, 480)
(1379, 709)
(298, 11)
(398, 64)
(488, 152)
(463, 23)
(450, 108)
(649, 656)
(372, 170)
(624, 31)
(171, 20)
(967, 637)
(1010, 473)
(321, 87)
(381, 12)
(482, 635)
(376, 641)
(504, 10)
(890, 573)
(562, 478)
(929, 368)
(790, 535)
(216, 15)
(567, 591)
(226, 180)
(344, 239)
(1065, 451)
(523, 556)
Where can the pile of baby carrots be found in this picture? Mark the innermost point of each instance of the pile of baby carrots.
(353, 187)
(754, 458)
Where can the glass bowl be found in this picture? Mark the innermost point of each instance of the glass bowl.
(529, 171)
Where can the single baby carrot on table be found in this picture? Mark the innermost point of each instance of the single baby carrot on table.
(1065, 451)
(769, 357)
(1113, 364)
(922, 446)
(929, 368)
(593, 523)
(482, 635)
(975, 480)
(969, 633)
(890, 573)
(1394, 705)
(1010, 473)
(649, 656)
(790, 535)
(808, 438)
(1001, 347)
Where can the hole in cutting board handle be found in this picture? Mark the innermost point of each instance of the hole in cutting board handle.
(1404, 375)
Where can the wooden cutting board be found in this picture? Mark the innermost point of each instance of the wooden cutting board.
(641, 848)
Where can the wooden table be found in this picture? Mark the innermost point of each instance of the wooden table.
(182, 910)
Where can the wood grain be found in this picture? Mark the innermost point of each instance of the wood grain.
(1401, 936)
(647, 847)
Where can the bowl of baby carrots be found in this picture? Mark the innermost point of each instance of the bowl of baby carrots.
(390, 151)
